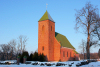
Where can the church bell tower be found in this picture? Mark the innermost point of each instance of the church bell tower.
(46, 34)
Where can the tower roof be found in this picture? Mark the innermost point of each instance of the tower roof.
(46, 16)
(63, 40)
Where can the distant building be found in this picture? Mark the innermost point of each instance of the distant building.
(53, 45)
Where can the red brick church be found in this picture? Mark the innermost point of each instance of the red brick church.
(53, 45)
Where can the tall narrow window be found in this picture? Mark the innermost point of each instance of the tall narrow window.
(43, 28)
(67, 54)
(51, 28)
(70, 54)
(63, 53)
(43, 48)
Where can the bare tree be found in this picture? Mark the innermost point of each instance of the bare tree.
(13, 48)
(97, 28)
(82, 46)
(86, 19)
(6, 49)
(13, 44)
(22, 43)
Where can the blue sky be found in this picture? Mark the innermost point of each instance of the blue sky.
(20, 17)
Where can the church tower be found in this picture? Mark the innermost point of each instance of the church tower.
(46, 35)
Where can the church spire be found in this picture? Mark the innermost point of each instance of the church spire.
(46, 16)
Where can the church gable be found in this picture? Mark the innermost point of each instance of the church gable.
(63, 40)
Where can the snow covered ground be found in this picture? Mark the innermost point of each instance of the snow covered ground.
(92, 64)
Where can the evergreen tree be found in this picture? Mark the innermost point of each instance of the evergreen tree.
(31, 57)
(25, 53)
(41, 57)
(35, 57)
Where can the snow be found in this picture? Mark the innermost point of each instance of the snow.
(92, 64)
(10, 61)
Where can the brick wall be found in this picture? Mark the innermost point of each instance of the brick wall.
(46, 36)
(56, 50)
(51, 40)
(69, 54)
(43, 38)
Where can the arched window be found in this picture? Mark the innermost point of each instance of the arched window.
(43, 48)
(43, 28)
(51, 28)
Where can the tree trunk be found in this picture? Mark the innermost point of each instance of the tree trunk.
(88, 51)
(88, 40)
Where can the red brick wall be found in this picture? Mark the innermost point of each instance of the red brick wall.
(46, 38)
(51, 40)
(70, 56)
(56, 50)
